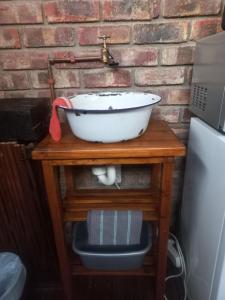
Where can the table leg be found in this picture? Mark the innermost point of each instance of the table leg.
(56, 211)
(156, 173)
(166, 188)
(68, 172)
(164, 223)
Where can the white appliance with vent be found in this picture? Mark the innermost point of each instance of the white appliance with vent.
(208, 81)
(203, 213)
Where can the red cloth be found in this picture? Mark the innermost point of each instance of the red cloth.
(54, 127)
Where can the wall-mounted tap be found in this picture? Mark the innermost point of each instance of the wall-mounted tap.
(107, 58)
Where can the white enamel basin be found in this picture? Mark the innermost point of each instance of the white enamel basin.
(110, 117)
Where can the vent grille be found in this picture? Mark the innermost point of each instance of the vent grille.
(199, 96)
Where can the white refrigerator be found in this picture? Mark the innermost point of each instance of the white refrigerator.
(203, 213)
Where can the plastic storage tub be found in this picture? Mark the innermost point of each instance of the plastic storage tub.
(111, 257)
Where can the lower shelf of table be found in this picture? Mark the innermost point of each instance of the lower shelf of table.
(76, 205)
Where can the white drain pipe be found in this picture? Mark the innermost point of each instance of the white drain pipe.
(106, 175)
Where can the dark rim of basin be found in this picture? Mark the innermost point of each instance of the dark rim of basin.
(110, 110)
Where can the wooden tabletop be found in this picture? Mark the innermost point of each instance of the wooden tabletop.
(157, 141)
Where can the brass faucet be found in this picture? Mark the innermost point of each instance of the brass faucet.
(107, 58)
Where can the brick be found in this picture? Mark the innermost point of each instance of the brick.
(179, 55)
(14, 81)
(159, 76)
(185, 115)
(166, 32)
(66, 92)
(39, 79)
(66, 79)
(169, 114)
(107, 78)
(27, 94)
(42, 94)
(63, 79)
(71, 11)
(48, 37)
(205, 27)
(20, 12)
(172, 96)
(9, 38)
(24, 60)
(130, 57)
(118, 34)
(129, 10)
(63, 53)
(156, 8)
(135, 176)
(189, 72)
(190, 8)
(181, 133)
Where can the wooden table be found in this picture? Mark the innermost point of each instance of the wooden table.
(157, 147)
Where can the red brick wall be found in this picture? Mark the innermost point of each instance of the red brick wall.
(153, 40)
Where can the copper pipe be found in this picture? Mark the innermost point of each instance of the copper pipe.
(72, 60)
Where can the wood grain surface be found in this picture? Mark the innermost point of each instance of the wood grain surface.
(158, 140)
